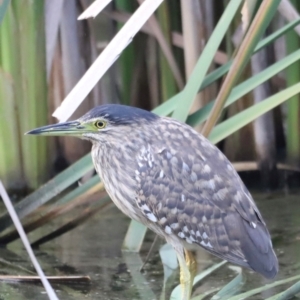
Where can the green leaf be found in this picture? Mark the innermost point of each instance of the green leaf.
(3, 8)
(221, 71)
(81, 189)
(168, 85)
(169, 261)
(50, 190)
(241, 119)
(194, 83)
(230, 288)
(68, 225)
(263, 288)
(287, 294)
(169, 106)
(292, 75)
(133, 262)
(134, 237)
(10, 158)
(245, 87)
(257, 28)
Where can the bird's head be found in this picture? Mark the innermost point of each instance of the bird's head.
(100, 123)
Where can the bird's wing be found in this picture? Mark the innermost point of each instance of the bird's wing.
(195, 194)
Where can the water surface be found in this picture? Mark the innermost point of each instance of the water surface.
(94, 249)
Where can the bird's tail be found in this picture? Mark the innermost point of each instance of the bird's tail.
(258, 250)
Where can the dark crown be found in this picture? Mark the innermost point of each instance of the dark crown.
(120, 114)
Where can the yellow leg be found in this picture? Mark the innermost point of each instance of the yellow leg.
(192, 266)
(185, 277)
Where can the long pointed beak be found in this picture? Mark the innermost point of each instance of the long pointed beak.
(73, 128)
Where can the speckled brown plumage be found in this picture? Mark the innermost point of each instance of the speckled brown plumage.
(166, 175)
(180, 185)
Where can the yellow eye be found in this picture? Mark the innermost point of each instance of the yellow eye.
(100, 124)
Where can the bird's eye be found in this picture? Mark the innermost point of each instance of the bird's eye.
(100, 124)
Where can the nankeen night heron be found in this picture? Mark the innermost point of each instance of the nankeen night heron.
(167, 176)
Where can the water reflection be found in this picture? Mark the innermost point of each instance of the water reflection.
(94, 249)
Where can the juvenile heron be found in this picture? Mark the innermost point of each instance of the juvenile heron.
(164, 174)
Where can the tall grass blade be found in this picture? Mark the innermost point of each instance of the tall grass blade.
(231, 288)
(133, 261)
(84, 215)
(169, 261)
(263, 288)
(49, 190)
(221, 71)
(193, 36)
(32, 88)
(72, 62)
(53, 10)
(287, 294)
(10, 208)
(10, 157)
(81, 189)
(108, 56)
(163, 35)
(127, 57)
(80, 197)
(11, 170)
(260, 22)
(247, 12)
(241, 119)
(169, 106)
(205, 294)
(94, 9)
(245, 87)
(289, 12)
(293, 105)
(168, 84)
(194, 83)
(3, 8)
(134, 237)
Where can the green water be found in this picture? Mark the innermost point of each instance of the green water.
(93, 249)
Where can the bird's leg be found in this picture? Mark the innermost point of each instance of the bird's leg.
(185, 277)
(192, 266)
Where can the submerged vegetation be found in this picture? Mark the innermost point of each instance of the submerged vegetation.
(220, 66)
